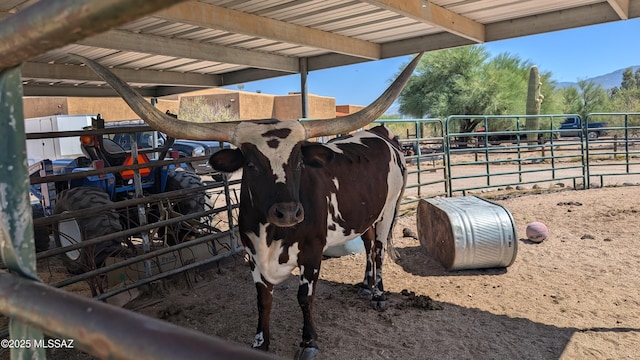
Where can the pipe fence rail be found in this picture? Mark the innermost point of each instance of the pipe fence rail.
(423, 143)
(615, 152)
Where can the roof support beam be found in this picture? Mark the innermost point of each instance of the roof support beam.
(100, 91)
(621, 7)
(248, 75)
(82, 73)
(179, 48)
(432, 14)
(558, 20)
(216, 17)
(433, 42)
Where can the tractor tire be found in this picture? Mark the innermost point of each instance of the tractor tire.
(178, 180)
(74, 230)
(194, 203)
(40, 233)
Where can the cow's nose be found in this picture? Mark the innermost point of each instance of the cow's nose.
(286, 214)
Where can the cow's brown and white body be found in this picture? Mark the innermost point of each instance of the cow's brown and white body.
(298, 198)
(348, 187)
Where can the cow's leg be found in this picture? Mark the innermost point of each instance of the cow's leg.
(378, 300)
(382, 234)
(265, 299)
(309, 273)
(367, 284)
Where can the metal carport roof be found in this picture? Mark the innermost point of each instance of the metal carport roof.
(200, 44)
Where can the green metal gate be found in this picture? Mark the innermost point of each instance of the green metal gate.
(497, 152)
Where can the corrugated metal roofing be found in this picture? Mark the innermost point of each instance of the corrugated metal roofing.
(212, 43)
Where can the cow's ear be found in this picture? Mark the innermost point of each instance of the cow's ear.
(227, 160)
(316, 155)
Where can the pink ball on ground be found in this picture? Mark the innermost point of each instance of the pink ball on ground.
(537, 232)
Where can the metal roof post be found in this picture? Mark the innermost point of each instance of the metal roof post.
(304, 70)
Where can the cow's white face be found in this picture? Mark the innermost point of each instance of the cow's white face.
(276, 142)
(272, 155)
(272, 167)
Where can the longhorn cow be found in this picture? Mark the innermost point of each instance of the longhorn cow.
(299, 197)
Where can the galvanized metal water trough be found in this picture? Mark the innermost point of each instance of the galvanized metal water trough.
(467, 233)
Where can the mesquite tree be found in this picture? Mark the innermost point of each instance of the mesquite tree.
(468, 81)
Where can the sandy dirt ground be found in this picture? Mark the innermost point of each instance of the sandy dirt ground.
(574, 296)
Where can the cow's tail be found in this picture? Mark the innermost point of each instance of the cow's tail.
(391, 250)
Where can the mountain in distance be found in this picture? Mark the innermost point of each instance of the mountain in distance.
(607, 81)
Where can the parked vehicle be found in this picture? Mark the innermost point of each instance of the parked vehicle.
(55, 148)
(196, 148)
(87, 193)
(572, 127)
(183, 148)
(509, 136)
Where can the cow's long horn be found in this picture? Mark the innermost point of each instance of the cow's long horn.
(365, 116)
(157, 119)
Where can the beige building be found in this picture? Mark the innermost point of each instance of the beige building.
(243, 105)
(111, 109)
(342, 110)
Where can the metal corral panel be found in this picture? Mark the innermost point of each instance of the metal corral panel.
(467, 233)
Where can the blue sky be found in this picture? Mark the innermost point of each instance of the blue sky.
(569, 54)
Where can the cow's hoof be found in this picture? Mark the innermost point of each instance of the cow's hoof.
(365, 292)
(379, 305)
(259, 342)
(307, 353)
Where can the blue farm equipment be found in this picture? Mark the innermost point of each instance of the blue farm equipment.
(83, 192)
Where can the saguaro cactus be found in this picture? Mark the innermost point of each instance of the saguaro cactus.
(534, 100)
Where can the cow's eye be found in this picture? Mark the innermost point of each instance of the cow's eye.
(251, 166)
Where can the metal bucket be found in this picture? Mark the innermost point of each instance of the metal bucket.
(467, 232)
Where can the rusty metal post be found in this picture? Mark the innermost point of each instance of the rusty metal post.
(227, 196)
(49, 25)
(142, 213)
(16, 224)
